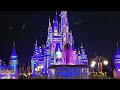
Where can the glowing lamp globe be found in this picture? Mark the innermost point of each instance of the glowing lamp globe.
(105, 62)
(41, 66)
(93, 62)
(36, 69)
(119, 70)
(58, 54)
(92, 65)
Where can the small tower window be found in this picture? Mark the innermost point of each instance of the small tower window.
(55, 32)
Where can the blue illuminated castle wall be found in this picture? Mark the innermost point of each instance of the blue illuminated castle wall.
(117, 61)
(12, 69)
(50, 53)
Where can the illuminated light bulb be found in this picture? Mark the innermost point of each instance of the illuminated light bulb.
(119, 70)
(36, 69)
(13, 77)
(41, 66)
(105, 62)
(93, 63)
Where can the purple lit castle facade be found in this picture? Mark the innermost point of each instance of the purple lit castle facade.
(117, 61)
(52, 53)
(11, 71)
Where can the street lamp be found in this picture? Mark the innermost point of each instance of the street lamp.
(100, 62)
(93, 63)
(105, 62)
(92, 66)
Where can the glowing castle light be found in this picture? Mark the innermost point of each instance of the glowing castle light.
(11, 71)
(52, 53)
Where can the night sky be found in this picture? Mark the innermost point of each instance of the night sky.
(99, 31)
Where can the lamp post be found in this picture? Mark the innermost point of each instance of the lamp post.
(100, 61)
(92, 66)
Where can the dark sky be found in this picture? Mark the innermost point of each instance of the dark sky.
(98, 30)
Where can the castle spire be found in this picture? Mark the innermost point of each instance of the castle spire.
(13, 55)
(49, 26)
(81, 45)
(118, 50)
(56, 19)
(53, 20)
(36, 42)
(56, 13)
(82, 49)
(49, 21)
(78, 50)
(13, 44)
(117, 45)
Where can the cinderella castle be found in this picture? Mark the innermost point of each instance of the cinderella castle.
(51, 53)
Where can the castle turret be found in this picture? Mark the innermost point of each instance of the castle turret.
(117, 60)
(49, 31)
(84, 56)
(35, 58)
(58, 54)
(36, 51)
(47, 60)
(82, 49)
(49, 25)
(14, 61)
(79, 57)
(55, 26)
(64, 23)
(40, 50)
(64, 19)
(56, 18)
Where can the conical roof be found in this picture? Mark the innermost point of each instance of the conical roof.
(58, 47)
(117, 54)
(13, 55)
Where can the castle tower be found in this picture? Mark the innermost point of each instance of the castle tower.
(84, 56)
(47, 61)
(35, 59)
(64, 26)
(14, 61)
(49, 37)
(55, 26)
(74, 53)
(79, 57)
(49, 26)
(117, 60)
(58, 53)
